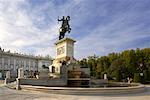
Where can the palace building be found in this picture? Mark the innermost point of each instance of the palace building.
(30, 64)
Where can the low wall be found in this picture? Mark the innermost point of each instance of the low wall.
(9, 80)
(2, 81)
(86, 91)
(43, 82)
(99, 81)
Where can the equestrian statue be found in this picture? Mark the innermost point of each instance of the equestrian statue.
(65, 27)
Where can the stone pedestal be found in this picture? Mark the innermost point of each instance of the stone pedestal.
(20, 76)
(64, 72)
(20, 73)
(64, 52)
(8, 74)
(43, 74)
(65, 48)
(105, 76)
(7, 77)
(18, 87)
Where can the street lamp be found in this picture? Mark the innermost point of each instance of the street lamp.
(141, 72)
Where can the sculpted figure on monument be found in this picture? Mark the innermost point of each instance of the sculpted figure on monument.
(65, 27)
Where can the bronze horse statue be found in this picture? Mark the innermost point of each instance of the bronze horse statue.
(65, 27)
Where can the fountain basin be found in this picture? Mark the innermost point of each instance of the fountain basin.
(136, 88)
(78, 82)
(74, 74)
(76, 79)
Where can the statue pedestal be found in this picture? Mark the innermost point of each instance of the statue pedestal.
(65, 48)
(66, 67)
(64, 52)
(44, 74)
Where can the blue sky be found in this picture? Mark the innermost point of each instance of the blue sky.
(99, 26)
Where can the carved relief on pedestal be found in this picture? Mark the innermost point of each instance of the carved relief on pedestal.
(60, 50)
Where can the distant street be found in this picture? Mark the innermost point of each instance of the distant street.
(9, 94)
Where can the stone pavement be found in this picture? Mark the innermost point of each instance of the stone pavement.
(9, 94)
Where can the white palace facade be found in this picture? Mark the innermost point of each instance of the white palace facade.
(12, 61)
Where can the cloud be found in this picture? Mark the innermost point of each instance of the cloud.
(18, 29)
(27, 28)
(108, 26)
(99, 26)
(125, 30)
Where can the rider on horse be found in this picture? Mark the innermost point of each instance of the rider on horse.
(65, 27)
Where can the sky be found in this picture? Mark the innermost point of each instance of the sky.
(99, 27)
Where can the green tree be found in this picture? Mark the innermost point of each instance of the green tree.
(136, 78)
(129, 63)
(117, 69)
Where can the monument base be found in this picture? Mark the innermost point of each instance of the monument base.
(44, 74)
(64, 51)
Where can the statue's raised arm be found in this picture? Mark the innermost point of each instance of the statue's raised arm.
(65, 27)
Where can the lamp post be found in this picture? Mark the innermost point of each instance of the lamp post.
(141, 72)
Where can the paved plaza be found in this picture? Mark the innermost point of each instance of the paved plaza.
(9, 94)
